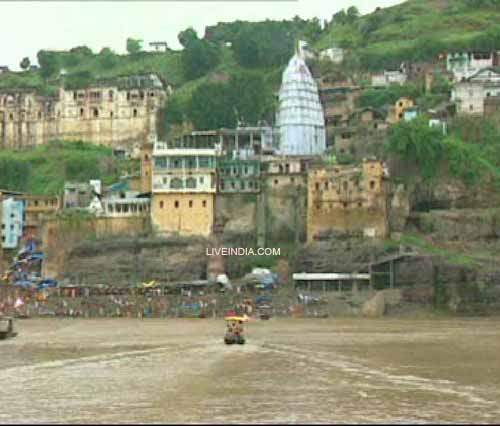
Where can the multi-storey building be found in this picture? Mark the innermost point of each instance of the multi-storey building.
(184, 186)
(478, 93)
(122, 112)
(238, 175)
(347, 199)
(467, 63)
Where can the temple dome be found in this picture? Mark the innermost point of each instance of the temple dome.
(300, 116)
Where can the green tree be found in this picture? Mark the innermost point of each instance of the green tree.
(25, 63)
(339, 18)
(352, 14)
(243, 87)
(134, 45)
(187, 37)
(209, 108)
(265, 44)
(108, 58)
(198, 58)
(49, 63)
(417, 143)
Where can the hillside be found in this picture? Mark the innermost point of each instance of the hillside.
(415, 30)
(45, 169)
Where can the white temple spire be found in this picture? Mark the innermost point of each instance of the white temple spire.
(300, 115)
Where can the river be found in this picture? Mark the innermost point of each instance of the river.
(290, 371)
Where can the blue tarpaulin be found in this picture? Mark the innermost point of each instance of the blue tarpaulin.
(48, 283)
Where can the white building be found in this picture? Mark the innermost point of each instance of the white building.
(126, 207)
(12, 222)
(300, 118)
(465, 64)
(470, 95)
(183, 169)
(389, 77)
(334, 54)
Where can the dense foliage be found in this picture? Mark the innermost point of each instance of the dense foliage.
(243, 99)
(45, 169)
(437, 155)
(198, 56)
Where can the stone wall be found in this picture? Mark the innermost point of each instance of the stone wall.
(183, 213)
(61, 235)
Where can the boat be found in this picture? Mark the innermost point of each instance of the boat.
(234, 330)
(7, 328)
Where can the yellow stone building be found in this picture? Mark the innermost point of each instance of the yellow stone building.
(347, 199)
(115, 113)
(396, 112)
(183, 188)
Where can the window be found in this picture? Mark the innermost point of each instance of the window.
(471, 107)
(135, 113)
(176, 204)
(190, 203)
(96, 112)
(317, 186)
(276, 181)
(292, 180)
(205, 162)
(191, 182)
(372, 184)
(111, 114)
(81, 112)
(204, 203)
(176, 183)
(326, 185)
(202, 180)
(233, 186)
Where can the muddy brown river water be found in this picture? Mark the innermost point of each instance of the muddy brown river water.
(290, 371)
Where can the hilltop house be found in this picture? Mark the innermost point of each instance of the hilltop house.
(479, 94)
(465, 64)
